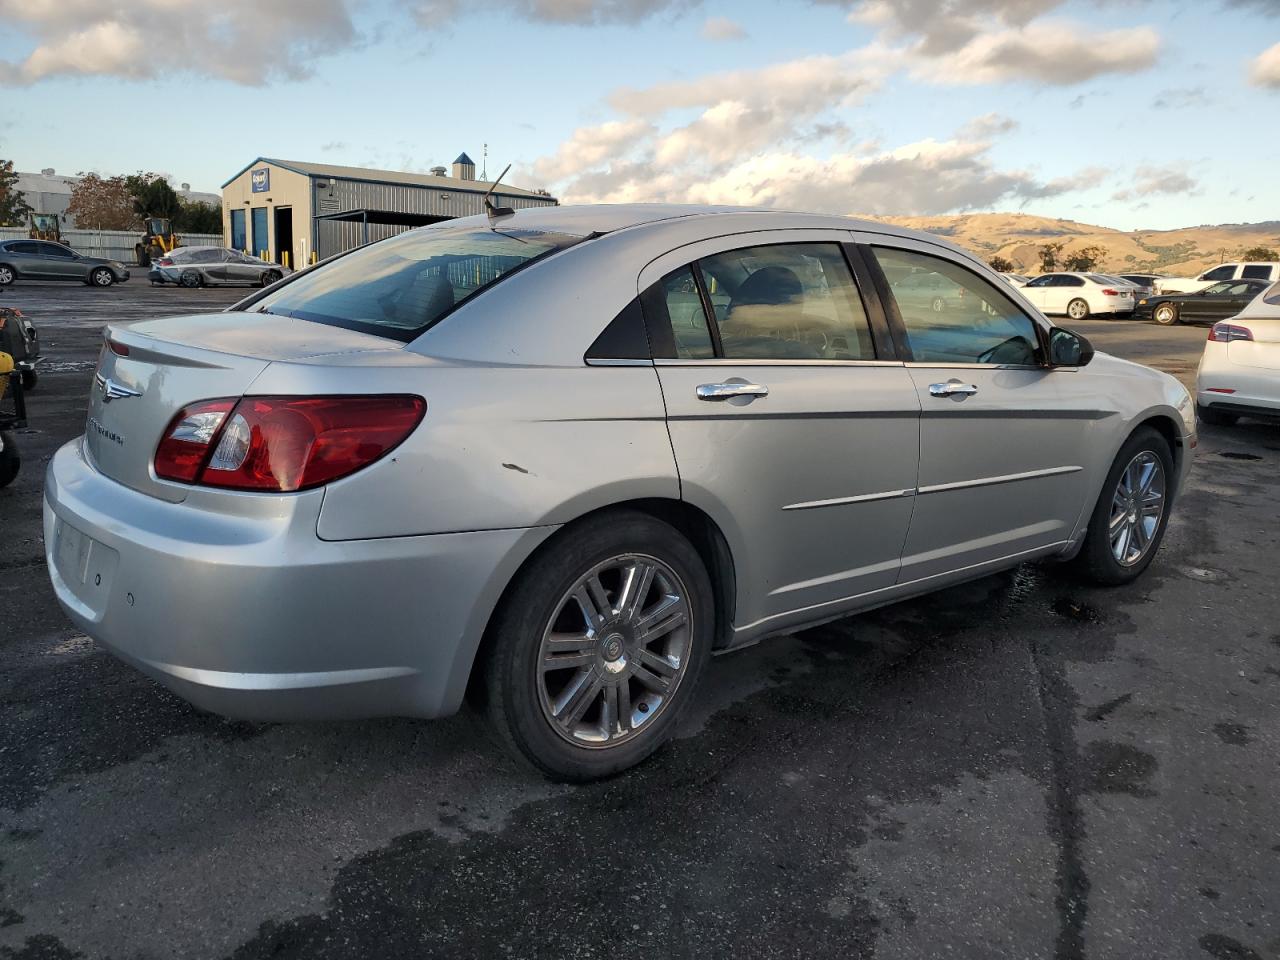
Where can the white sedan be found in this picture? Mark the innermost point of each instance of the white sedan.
(1239, 374)
(1077, 295)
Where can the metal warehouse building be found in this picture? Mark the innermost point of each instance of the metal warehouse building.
(295, 212)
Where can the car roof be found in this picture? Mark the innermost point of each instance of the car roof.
(604, 218)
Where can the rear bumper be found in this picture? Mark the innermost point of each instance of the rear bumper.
(1255, 390)
(252, 616)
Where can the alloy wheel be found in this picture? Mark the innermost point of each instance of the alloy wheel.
(102, 277)
(1077, 309)
(615, 651)
(1137, 507)
(6, 276)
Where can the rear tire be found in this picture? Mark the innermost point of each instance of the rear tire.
(1165, 314)
(10, 459)
(1128, 493)
(562, 719)
(7, 275)
(1078, 309)
(270, 277)
(1216, 418)
(29, 380)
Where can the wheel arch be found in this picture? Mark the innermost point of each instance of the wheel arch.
(695, 524)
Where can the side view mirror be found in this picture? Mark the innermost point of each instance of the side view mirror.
(1067, 349)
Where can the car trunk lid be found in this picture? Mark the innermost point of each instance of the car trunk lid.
(150, 370)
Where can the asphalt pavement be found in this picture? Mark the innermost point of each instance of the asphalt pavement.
(1021, 767)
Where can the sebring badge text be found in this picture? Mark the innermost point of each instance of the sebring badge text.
(103, 432)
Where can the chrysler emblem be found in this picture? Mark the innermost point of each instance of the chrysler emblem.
(114, 391)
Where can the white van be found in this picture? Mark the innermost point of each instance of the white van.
(1257, 270)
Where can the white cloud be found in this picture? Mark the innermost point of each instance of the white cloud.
(722, 28)
(1158, 181)
(1048, 52)
(145, 39)
(1264, 69)
(987, 125)
(433, 13)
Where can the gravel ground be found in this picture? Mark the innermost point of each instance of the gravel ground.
(1019, 767)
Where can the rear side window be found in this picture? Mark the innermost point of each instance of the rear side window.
(975, 323)
(1257, 271)
(795, 301)
(399, 287)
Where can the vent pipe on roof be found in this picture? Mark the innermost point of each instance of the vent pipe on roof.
(48, 171)
(438, 171)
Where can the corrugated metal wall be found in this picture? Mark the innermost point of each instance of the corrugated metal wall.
(335, 236)
(112, 244)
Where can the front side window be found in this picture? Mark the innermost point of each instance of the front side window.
(1217, 288)
(399, 287)
(1257, 271)
(978, 323)
(1225, 272)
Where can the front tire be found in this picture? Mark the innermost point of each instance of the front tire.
(1132, 512)
(1166, 314)
(1216, 418)
(191, 279)
(101, 277)
(1078, 309)
(598, 645)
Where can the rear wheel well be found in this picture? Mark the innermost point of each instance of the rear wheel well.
(694, 524)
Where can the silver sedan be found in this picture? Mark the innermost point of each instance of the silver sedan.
(214, 266)
(555, 461)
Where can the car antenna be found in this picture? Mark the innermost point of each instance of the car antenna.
(491, 210)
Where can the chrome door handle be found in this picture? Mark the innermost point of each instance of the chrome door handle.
(730, 390)
(952, 388)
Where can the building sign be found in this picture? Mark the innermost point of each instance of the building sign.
(261, 180)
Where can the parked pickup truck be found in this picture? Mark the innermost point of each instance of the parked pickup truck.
(1269, 270)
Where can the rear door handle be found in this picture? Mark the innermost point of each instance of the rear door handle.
(952, 388)
(730, 390)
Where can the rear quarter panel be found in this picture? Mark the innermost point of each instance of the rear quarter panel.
(501, 446)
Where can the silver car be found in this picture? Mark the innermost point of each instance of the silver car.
(214, 266)
(556, 461)
(46, 260)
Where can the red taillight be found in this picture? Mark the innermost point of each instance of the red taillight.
(283, 443)
(1219, 390)
(164, 262)
(1226, 332)
(185, 444)
(119, 349)
(1108, 292)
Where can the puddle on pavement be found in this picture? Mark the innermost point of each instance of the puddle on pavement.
(1077, 610)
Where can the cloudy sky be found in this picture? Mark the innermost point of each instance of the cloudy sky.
(1128, 113)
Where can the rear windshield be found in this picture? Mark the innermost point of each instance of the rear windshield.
(399, 287)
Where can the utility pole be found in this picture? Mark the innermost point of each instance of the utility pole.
(484, 163)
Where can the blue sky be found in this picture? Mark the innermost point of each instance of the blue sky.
(1133, 114)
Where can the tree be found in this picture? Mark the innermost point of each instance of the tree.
(153, 197)
(13, 205)
(1260, 253)
(1084, 259)
(99, 203)
(1000, 264)
(197, 217)
(1049, 256)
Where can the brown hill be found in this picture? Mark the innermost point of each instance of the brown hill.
(1018, 237)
